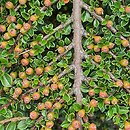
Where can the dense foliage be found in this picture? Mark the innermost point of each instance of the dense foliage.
(37, 72)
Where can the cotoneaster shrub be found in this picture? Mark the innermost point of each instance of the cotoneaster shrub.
(64, 71)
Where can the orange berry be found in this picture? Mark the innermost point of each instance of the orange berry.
(71, 128)
(55, 79)
(93, 103)
(81, 113)
(97, 39)
(25, 83)
(57, 105)
(96, 48)
(26, 26)
(127, 125)
(99, 11)
(3, 44)
(23, 31)
(119, 83)
(36, 95)
(90, 46)
(17, 49)
(18, 91)
(25, 55)
(39, 70)
(22, 75)
(22, 2)
(9, 5)
(125, 43)
(126, 84)
(97, 58)
(54, 87)
(106, 101)
(18, 26)
(24, 62)
(109, 23)
(91, 92)
(13, 75)
(124, 62)
(12, 32)
(111, 45)
(47, 3)
(60, 86)
(92, 126)
(48, 104)
(32, 52)
(103, 94)
(29, 71)
(105, 49)
(27, 99)
(61, 50)
(51, 116)
(47, 68)
(40, 106)
(33, 43)
(66, 1)
(15, 96)
(114, 101)
(33, 115)
(76, 124)
(33, 17)
(127, 9)
(11, 19)
(6, 36)
(49, 124)
(45, 92)
(2, 28)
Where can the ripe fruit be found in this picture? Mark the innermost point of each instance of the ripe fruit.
(23, 31)
(6, 36)
(124, 62)
(96, 48)
(111, 45)
(25, 83)
(71, 128)
(17, 49)
(119, 83)
(2, 28)
(57, 105)
(18, 91)
(60, 85)
(33, 43)
(9, 5)
(47, 3)
(27, 99)
(91, 92)
(103, 94)
(22, 75)
(97, 39)
(114, 101)
(127, 9)
(90, 46)
(47, 68)
(12, 32)
(49, 124)
(29, 71)
(55, 79)
(109, 23)
(106, 101)
(48, 104)
(93, 103)
(39, 70)
(18, 26)
(54, 87)
(61, 50)
(26, 55)
(66, 1)
(97, 58)
(126, 84)
(125, 43)
(45, 92)
(46, 128)
(11, 19)
(36, 95)
(13, 75)
(24, 62)
(40, 106)
(32, 52)
(33, 115)
(127, 125)
(33, 17)
(15, 96)
(99, 11)
(26, 26)
(105, 49)
(81, 113)
(76, 124)
(22, 2)
(50, 116)
(3, 44)
(92, 126)
(85, 119)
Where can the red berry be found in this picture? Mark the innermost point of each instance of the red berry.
(33, 17)
(47, 68)
(105, 49)
(127, 9)
(11, 19)
(97, 39)
(45, 92)
(61, 50)
(3, 44)
(47, 3)
(90, 46)
(12, 32)
(57, 105)
(71, 128)
(111, 45)
(127, 125)
(125, 43)
(97, 58)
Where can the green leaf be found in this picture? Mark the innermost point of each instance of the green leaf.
(70, 117)
(66, 97)
(1, 127)
(25, 15)
(11, 126)
(96, 23)
(22, 125)
(85, 16)
(6, 80)
(76, 106)
(86, 72)
(65, 124)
